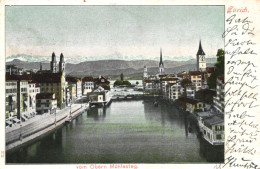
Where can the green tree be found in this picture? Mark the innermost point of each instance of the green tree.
(121, 76)
(137, 83)
(219, 69)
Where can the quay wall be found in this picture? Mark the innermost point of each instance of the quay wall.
(28, 131)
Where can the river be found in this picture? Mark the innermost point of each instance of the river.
(125, 132)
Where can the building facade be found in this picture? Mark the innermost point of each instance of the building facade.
(219, 102)
(46, 103)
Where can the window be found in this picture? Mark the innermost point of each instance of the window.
(218, 136)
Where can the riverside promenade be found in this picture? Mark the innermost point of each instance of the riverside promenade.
(38, 126)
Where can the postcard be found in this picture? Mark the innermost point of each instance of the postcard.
(130, 84)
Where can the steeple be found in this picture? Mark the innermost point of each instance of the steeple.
(200, 51)
(53, 57)
(161, 62)
(53, 63)
(61, 63)
(41, 66)
(201, 60)
(161, 67)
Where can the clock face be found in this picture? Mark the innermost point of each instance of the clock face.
(202, 58)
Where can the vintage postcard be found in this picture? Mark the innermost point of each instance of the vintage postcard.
(115, 85)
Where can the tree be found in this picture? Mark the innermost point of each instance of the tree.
(219, 69)
(137, 83)
(122, 77)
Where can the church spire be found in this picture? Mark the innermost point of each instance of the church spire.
(161, 62)
(200, 51)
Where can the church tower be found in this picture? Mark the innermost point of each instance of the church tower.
(145, 73)
(161, 67)
(61, 63)
(53, 63)
(201, 60)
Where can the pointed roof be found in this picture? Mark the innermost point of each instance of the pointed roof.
(61, 58)
(161, 62)
(200, 51)
(53, 57)
(41, 66)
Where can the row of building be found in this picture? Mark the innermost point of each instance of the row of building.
(28, 93)
(192, 94)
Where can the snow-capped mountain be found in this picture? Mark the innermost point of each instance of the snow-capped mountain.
(79, 59)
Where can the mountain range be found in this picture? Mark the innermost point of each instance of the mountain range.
(115, 67)
(78, 59)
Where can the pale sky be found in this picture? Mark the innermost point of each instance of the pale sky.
(95, 31)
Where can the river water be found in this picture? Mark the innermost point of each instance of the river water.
(124, 132)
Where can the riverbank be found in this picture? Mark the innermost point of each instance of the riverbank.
(43, 124)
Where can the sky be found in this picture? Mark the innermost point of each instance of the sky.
(126, 32)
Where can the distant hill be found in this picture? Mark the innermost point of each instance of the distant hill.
(115, 67)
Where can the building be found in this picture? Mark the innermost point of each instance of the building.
(212, 128)
(25, 94)
(99, 97)
(11, 98)
(192, 105)
(22, 98)
(196, 79)
(33, 90)
(190, 91)
(102, 82)
(173, 90)
(13, 70)
(53, 83)
(75, 87)
(161, 66)
(88, 85)
(46, 103)
(219, 102)
(145, 75)
(165, 81)
(151, 85)
(201, 60)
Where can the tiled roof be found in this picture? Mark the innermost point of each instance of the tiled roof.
(170, 84)
(195, 73)
(37, 78)
(170, 79)
(88, 79)
(210, 69)
(188, 100)
(37, 85)
(147, 81)
(71, 79)
(45, 96)
(99, 80)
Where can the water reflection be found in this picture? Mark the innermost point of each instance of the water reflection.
(126, 131)
(97, 113)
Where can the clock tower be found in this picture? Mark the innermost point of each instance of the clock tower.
(201, 60)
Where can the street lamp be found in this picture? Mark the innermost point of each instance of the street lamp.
(70, 108)
(21, 136)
